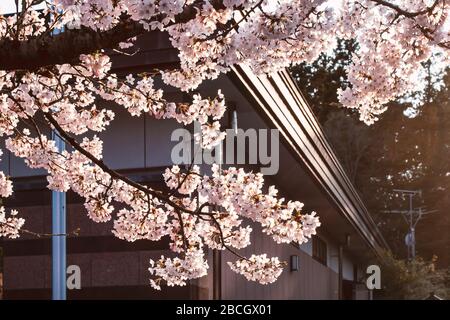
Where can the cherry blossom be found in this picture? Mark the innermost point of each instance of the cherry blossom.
(10, 226)
(43, 89)
(5, 186)
(176, 271)
(258, 268)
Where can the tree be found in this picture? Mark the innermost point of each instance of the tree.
(55, 80)
(407, 149)
(411, 280)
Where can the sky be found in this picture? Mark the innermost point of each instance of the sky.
(7, 6)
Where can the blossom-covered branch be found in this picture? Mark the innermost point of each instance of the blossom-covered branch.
(393, 38)
(199, 212)
(55, 74)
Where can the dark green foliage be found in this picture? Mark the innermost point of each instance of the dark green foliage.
(416, 280)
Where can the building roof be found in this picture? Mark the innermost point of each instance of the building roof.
(280, 101)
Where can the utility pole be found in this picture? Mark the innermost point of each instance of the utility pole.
(412, 217)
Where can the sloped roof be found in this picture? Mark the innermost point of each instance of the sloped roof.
(281, 103)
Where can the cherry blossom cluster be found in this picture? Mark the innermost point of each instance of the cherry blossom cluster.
(387, 64)
(9, 225)
(30, 21)
(391, 48)
(185, 183)
(221, 203)
(199, 211)
(176, 271)
(5, 185)
(393, 37)
(268, 36)
(71, 92)
(258, 268)
(241, 193)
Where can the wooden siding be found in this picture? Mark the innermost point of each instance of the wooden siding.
(312, 281)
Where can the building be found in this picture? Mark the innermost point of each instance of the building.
(331, 266)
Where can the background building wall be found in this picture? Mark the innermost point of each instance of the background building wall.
(313, 280)
(114, 268)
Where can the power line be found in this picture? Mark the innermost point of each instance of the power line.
(411, 216)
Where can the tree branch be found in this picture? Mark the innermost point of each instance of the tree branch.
(405, 13)
(66, 47)
(114, 174)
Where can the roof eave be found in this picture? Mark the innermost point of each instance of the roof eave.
(278, 99)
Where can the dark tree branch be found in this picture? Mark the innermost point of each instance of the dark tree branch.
(75, 232)
(66, 47)
(408, 14)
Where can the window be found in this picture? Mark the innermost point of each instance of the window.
(319, 250)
